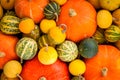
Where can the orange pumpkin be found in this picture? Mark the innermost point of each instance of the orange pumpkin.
(30, 8)
(7, 48)
(34, 70)
(105, 65)
(80, 18)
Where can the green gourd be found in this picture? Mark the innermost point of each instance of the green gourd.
(52, 10)
(9, 23)
(67, 51)
(26, 48)
(88, 47)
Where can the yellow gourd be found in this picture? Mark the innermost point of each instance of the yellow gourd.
(7, 4)
(60, 2)
(26, 25)
(57, 35)
(46, 24)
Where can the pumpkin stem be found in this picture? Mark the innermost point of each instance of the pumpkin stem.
(19, 77)
(21, 60)
(104, 71)
(56, 15)
(8, 1)
(64, 27)
(81, 77)
(46, 49)
(72, 12)
(42, 78)
(2, 54)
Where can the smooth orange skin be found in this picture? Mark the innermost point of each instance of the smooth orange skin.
(7, 45)
(107, 56)
(83, 24)
(30, 8)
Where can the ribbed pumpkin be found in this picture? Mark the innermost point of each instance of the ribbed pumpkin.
(52, 10)
(67, 51)
(80, 18)
(9, 23)
(26, 48)
(30, 8)
(34, 70)
(105, 65)
(112, 34)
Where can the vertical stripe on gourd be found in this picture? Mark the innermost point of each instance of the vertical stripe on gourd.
(67, 51)
(26, 48)
(51, 10)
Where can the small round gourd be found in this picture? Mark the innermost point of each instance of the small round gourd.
(112, 34)
(52, 10)
(67, 51)
(88, 48)
(26, 48)
(9, 23)
(57, 35)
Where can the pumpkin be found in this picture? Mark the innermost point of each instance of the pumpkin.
(80, 18)
(105, 65)
(67, 51)
(88, 48)
(1, 11)
(52, 10)
(26, 48)
(60, 2)
(56, 35)
(7, 52)
(30, 8)
(7, 4)
(112, 34)
(39, 71)
(10, 23)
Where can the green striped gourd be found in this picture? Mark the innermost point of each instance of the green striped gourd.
(43, 41)
(52, 10)
(26, 48)
(99, 36)
(112, 34)
(9, 24)
(67, 51)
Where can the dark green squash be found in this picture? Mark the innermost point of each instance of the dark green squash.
(88, 47)
(52, 10)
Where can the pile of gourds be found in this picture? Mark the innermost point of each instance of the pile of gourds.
(58, 40)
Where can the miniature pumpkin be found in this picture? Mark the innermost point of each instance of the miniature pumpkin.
(7, 48)
(34, 70)
(80, 18)
(30, 8)
(7, 4)
(105, 65)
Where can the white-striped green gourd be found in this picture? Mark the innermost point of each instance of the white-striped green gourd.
(52, 10)
(67, 51)
(26, 48)
(9, 23)
(43, 41)
(112, 34)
